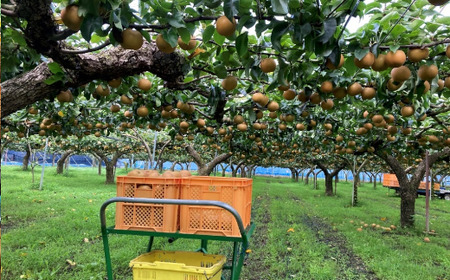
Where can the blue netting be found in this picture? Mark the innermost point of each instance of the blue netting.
(16, 158)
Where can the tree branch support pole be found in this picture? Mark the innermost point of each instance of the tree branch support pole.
(427, 194)
(154, 150)
(44, 161)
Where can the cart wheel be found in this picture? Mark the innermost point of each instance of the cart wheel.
(447, 196)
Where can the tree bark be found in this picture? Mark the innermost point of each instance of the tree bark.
(329, 176)
(315, 179)
(61, 161)
(99, 171)
(307, 175)
(243, 172)
(408, 187)
(235, 169)
(67, 162)
(250, 171)
(26, 159)
(110, 165)
(224, 169)
(158, 161)
(172, 168)
(109, 173)
(205, 169)
(356, 180)
(292, 173)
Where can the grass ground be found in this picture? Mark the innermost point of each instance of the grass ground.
(300, 234)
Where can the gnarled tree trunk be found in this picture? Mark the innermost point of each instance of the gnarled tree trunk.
(409, 186)
(329, 176)
(61, 161)
(205, 169)
(110, 165)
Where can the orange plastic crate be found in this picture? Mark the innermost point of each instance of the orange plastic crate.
(141, 216)
(236, 192)
(390, 180)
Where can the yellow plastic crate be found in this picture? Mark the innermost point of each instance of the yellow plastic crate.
(177, 265)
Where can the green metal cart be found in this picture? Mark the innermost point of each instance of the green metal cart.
(240, 247)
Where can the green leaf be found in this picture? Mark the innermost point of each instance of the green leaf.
(171, 36)
(261, 26)
(251, 115)
(157, 102)
(360, 53)
(329, 27)
(208, 33)
(115, 18)
(350, 67)
(242, 21)
(184, 34)
(146, 35)
(219, 39)
(55, 78)
(230, 8)
(89, 25)
(335, 56)
(280, 28)
(176, 20)
(443, 20)
(242, 44)
(55, 68)
(280, 6)
(398, 29)
(220, 71)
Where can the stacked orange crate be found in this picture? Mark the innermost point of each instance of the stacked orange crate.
(390, 180)
(141, 216)
(237, 192)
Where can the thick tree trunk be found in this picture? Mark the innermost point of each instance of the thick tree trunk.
(234, 172)
(292, 173)
(61, 161)
(109, 173)
(224, 169)
(329, 176)
(356, 182)
(110, 165)
(99, 171)
(26, 159)
(408, 187)
(315, 180)
(307, 175)
(243, 172)
(328, 184)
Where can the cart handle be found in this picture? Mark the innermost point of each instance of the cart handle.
(175, 202)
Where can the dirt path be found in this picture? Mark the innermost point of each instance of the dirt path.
(351, 266)
(255, 266)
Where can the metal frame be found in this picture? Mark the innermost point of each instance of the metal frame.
(238, 255)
